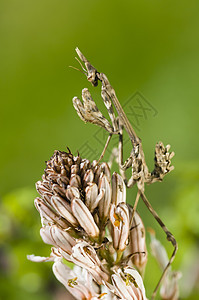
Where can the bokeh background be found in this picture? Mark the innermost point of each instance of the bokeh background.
(148, 49)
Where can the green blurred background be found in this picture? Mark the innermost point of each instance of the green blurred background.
(150, 47)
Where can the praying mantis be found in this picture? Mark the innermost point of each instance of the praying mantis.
(89, 112)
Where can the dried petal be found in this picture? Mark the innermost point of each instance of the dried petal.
(46, 235)
(88, 177)
(47, 197)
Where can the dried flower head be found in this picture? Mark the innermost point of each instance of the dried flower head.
(79, 202)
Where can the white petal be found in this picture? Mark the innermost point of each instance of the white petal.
(138, 279)
(64, 275)
(122, 288)
(34, 258)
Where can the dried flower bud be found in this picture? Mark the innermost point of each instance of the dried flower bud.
(91, 197)
(88, 177)
(42, 187)
(102, 169)
(104, 204)
(67, 178)
(72, 192)
(75, 181)
(74, 169)
(64, 209)
(84, 217)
